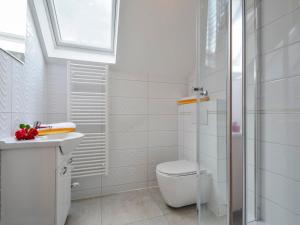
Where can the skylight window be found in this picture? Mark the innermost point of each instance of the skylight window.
(13, 25)
(88, 24)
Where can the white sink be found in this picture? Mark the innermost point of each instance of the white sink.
(68, 142)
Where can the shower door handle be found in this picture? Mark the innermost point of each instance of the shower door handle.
(201, 91)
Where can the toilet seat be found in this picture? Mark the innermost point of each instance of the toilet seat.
(178, 168)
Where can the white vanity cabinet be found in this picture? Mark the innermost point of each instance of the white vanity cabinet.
(63, 188)
(36, 180)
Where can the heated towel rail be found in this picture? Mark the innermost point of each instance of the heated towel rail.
(87, 108)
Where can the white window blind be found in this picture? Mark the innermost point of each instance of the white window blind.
(87, 108)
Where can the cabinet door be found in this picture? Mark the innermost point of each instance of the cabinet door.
(28, 185)
(60, 195)
(63, 193)
(67, 191)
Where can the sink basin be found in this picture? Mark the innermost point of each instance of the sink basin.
(67, 141)
(59, 136)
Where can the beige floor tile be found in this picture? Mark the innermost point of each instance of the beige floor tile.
(155, 221)
(158, 199)
(126, 208)
(144, 207)
(183, 216)
(85, 212)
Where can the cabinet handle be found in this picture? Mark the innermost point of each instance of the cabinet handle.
(61, 151)
(64, 170)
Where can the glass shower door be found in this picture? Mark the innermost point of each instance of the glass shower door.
(212, 75)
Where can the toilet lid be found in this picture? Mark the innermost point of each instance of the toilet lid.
(179, 168)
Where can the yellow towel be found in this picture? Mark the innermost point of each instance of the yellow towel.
(56, 128)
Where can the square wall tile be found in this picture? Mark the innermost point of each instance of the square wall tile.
(128, 123)
(162, 154)
(127, 106)
(56, 117)
(127, 157)
(163, 107)
(128, 140)
(127, 88)
(125, 175)
(163, 123)
(57, 103)
(167, 90)
(163, 138)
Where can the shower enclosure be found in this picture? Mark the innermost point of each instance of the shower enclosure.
(248, 131)
(228, 124)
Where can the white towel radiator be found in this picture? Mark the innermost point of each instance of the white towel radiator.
(87, 108)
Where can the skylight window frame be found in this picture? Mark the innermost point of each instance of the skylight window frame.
(50, 8)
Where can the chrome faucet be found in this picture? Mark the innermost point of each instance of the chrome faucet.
(201, 91)
(37, 124)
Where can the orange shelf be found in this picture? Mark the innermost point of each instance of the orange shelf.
(192, 100)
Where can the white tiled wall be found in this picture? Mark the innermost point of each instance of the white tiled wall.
(143, 125)
(144, 117)
(187, 132)
(22, 87)
(280, 118)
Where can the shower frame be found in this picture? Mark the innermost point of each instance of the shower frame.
(256, 110)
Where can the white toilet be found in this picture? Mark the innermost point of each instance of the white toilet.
(177, 181)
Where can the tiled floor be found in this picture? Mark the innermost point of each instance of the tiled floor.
(143, 207)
